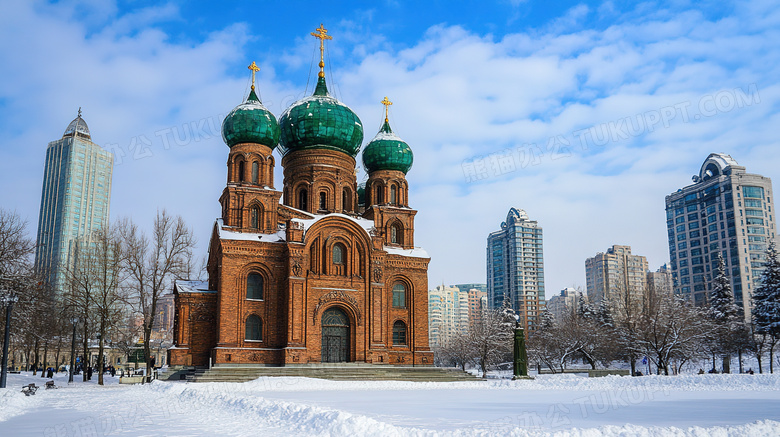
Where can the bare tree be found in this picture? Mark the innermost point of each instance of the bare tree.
(671, 329)
(106, 253)
(153, 263)
(458, 352)
(491, 339)
(19, 283)
(16, 248)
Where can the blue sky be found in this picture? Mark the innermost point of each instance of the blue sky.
(585, 114)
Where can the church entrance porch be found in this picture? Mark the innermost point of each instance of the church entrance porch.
(335, 336)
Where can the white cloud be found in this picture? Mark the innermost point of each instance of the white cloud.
(457, 96)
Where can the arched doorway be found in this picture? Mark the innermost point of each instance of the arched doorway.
(335, 336)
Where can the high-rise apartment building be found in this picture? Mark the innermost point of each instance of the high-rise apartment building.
(74, 199)
(477, 295)
(661, 280)
(726, 211)
(448, 314)
(565, 303)
(515, 267)
(615, 272)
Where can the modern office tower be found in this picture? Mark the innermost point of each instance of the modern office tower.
(724, 211)
(74, 199)
(610, 274)
(448, 314)
(565, 303)
(515, 267)
(661, 280)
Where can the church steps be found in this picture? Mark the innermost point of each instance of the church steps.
(346, 373)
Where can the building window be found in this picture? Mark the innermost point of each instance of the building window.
(393, 194)
(339, 259)
(399, 333)
(241, 171)
(255, 171)
(379, 194)
(399, 296)
(254, 217)
(323, 201)
(254, 328)
(345, 203)
(254, 286)
(395, 234)
(302, 199)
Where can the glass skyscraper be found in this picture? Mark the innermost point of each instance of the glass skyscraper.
(515, 267)
(74, 199)
(725, 211)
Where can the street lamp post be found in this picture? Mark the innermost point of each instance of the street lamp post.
(73, 351)
(9, 301)
(520, 357)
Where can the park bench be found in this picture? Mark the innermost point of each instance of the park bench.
(50, 384)
(29, 389)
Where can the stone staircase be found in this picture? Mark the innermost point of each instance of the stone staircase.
(337, 372)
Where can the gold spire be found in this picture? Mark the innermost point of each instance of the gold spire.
(322, 35)
(254, 69)
(387, 104)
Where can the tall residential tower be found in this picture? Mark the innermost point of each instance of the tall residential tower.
(724, 211)
(74, 199)
(515, 267)
(610, 274)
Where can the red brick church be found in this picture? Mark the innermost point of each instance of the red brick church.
(328, 274)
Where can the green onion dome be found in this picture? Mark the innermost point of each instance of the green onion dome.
(320, 122)
(387, 152)
(250, 122)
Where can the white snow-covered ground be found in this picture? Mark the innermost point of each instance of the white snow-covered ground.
(559, 405)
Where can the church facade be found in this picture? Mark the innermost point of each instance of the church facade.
(323, 271)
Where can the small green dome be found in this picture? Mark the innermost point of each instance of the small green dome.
(387, 152)
(320, 122)
(250, 122)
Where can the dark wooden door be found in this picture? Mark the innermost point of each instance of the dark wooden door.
(335, 336)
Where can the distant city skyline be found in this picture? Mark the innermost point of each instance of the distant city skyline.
(586, 113)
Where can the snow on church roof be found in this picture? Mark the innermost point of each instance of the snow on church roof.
(193, 286)
(417, 252)
(363, 223)
(225, 234)
(280, 236)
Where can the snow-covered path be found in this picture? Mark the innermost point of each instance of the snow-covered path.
(563, 405)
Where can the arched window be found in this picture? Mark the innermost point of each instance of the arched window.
(254, 217)
(241, 171)
(338, 254)
(399, 296)
(395, 234)
(345, 203)
(254, 328)
(379, 196)
(399, 333)
(323, 200)
(339, 259)
(302, 199)
(254, 286)
(255, 171)
(393, 194)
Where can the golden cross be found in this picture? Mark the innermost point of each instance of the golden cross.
(254, 69)
(322, 35)
(387, 104)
